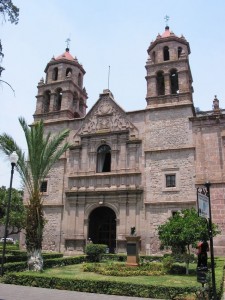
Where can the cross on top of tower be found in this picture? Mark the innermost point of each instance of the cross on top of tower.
(68, 44)
(166, 18)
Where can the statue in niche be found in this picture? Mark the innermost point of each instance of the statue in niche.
(132, 231)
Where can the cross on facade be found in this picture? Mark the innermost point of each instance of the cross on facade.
(68, 43)
(166, 18)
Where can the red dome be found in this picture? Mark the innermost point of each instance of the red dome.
(65, 55)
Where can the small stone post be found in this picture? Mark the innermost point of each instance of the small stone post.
(133, 248)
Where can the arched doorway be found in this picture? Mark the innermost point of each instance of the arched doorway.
(102, 227)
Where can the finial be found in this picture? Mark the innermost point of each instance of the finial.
(166, 18)
(216, 105)
(41, 81)
(68, 44)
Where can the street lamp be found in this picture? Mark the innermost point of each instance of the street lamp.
(207, 185)
(13, 160)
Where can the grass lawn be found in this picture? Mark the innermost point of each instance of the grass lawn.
(76, 272)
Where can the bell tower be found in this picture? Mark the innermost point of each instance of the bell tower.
(62, 95)
(169, 79)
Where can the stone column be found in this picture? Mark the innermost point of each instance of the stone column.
(167, 83)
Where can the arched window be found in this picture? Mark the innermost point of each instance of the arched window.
(80, 80)
(58, 99)
(55, 74)
(75, 100)
(81, 105)
(166, 53)
(179, 51)
(153, 57)
(160, 83)
(46, 101)
(104, 159)
(174, 85)
(68, 72)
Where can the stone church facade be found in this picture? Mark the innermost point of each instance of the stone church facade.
(129, 169)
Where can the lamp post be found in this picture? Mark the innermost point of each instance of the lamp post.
(207, 185)
(13, 160)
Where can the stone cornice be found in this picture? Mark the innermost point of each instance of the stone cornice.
(162, 203)
(170, 149)
(169, 39)
(168, 62)
(208, 116)
(65, 61)
(52, 204)
(200, 182)
(105, 174)
(104, 191)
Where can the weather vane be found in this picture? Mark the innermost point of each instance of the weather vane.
(166, 18)
(68, 43)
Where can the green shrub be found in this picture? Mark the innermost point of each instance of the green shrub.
(182, 257)
(177, 269)
(95, 252)
(121, 269)
(146, 258)
(168, 262)
(114, 257)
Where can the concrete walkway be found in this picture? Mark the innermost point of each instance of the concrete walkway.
(18, 292)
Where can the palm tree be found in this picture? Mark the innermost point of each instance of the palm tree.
(43, 151)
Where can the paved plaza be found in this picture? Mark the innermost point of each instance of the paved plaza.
(17, 292)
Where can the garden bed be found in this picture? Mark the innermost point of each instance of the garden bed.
(72, 277)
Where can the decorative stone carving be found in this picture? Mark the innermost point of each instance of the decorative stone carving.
(104, 108)
(106, 117)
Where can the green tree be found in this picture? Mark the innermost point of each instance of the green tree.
(10, 11)
(43, 152)
(17, 213)
(182, 231)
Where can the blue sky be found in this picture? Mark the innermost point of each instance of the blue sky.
(103, 33)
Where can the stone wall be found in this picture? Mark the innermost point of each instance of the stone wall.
(209, 138)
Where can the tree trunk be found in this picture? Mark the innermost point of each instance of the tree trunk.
(35, 260)
(187, 268)
(187, 260)
(34, 234)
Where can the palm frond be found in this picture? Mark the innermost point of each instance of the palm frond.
(43, 152)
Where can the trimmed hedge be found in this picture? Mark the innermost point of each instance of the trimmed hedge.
(64, 261)
(98, 286)
(9, 247)
(48, 263)
(18, 256)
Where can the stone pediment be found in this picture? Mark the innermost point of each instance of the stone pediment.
(106, 116)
